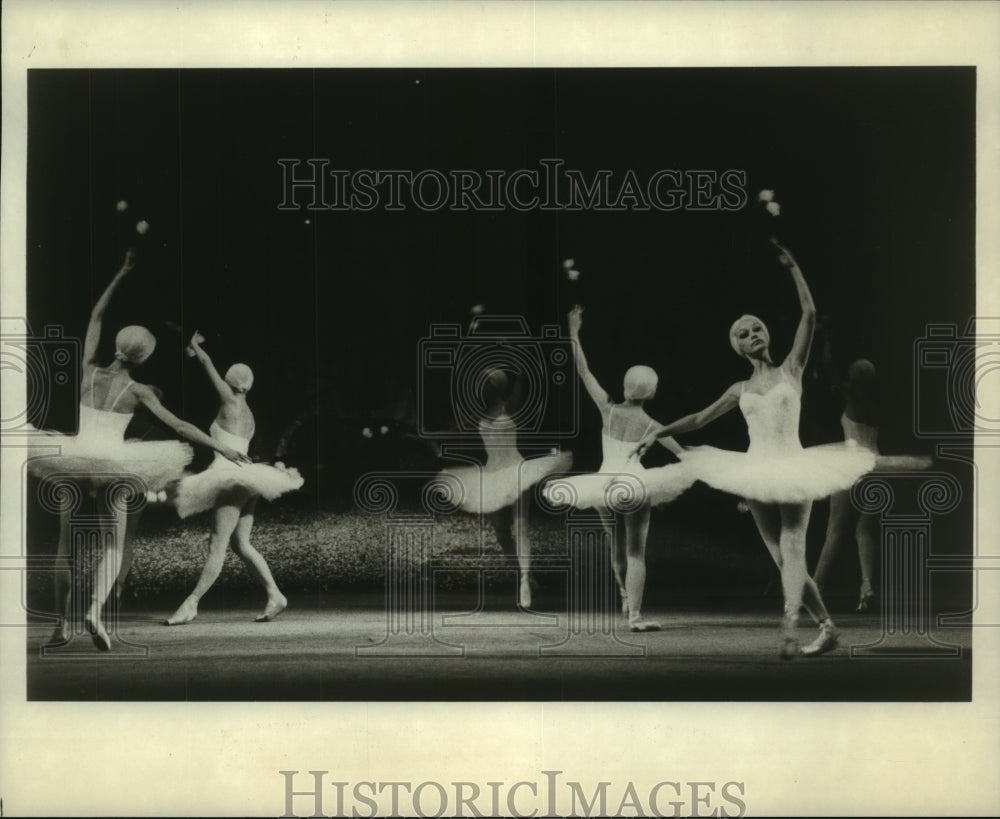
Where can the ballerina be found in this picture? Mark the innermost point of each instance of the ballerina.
(777, 477)
(99, 455)
(624, 425)
(860, 424)
(232, 493)
(499, 488)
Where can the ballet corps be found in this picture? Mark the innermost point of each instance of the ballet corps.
(777, 477)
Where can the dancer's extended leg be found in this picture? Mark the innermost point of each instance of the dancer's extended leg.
(636, 532)
(104, 577)
(227, 517)
(63, 582)
(254, 560)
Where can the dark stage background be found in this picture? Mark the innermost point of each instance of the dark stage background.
(874, 169)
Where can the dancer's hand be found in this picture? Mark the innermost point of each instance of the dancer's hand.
(575, 320)
(197, 339)
(234, 455)
(129, 262)
(785, 256)
(642, 446)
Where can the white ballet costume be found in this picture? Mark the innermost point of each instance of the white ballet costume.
(621, 482)
(200, 492)
(506, 475)
(776, 468)
(866, 435)
(99, 454)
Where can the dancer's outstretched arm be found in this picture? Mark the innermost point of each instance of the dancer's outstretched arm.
(93, 337)
(187, 430)
(226, 394)
(807, 324)
(594, 390)
(730, 399)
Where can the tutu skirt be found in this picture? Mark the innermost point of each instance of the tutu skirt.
(485, 490)
(624, 491)
(200, 492)
(782, 476)
(98, 460)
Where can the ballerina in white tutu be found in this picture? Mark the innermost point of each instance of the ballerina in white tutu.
(778, 478)
(621, 478)
(498, 488)
(860, 424)
(99, 455)
(231, 491)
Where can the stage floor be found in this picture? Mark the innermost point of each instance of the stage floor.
(339, 648)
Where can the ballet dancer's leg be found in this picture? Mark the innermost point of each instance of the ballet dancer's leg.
(254, 560)
(839, 529)
(795, 580)
(868, 535)
(768, 520)
(636, 532)
(104, 577)
(522, 544)
(619, 558)
(227, 516)
(128, 553)
(63, 581)
(502, 521)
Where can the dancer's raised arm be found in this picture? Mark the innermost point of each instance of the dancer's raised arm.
(807, 324)
(93, 337)
(730, 399)
(225, 392)
(595, 390)
(187, 430)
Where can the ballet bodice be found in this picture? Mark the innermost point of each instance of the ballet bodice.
(773, 417)
(864, 434)
(105, 424)
(615, 452)
(500, 441)
(237, 442)
(615, 455)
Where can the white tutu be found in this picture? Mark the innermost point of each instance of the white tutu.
(98, 455)
(623, 491)
(783, 476)
(200, 492)
(487, 489)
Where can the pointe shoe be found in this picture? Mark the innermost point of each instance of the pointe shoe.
(61, 635)
(524, 593)
(828, 639)
(624, 596)
(272, 610)
(790, 649)
(865, 603)
(866, 599)
(185, 613)
(95, 628)
(638, 624)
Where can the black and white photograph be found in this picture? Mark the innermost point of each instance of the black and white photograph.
(565, 418)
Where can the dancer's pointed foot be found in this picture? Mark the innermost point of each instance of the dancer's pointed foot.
(828, 639)
(274, 607)
(61, 634)
(524, 592)
(187, 611)
(638, 624)
(790, 648)
(624, 595)
(95, 628)
(866, 598)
